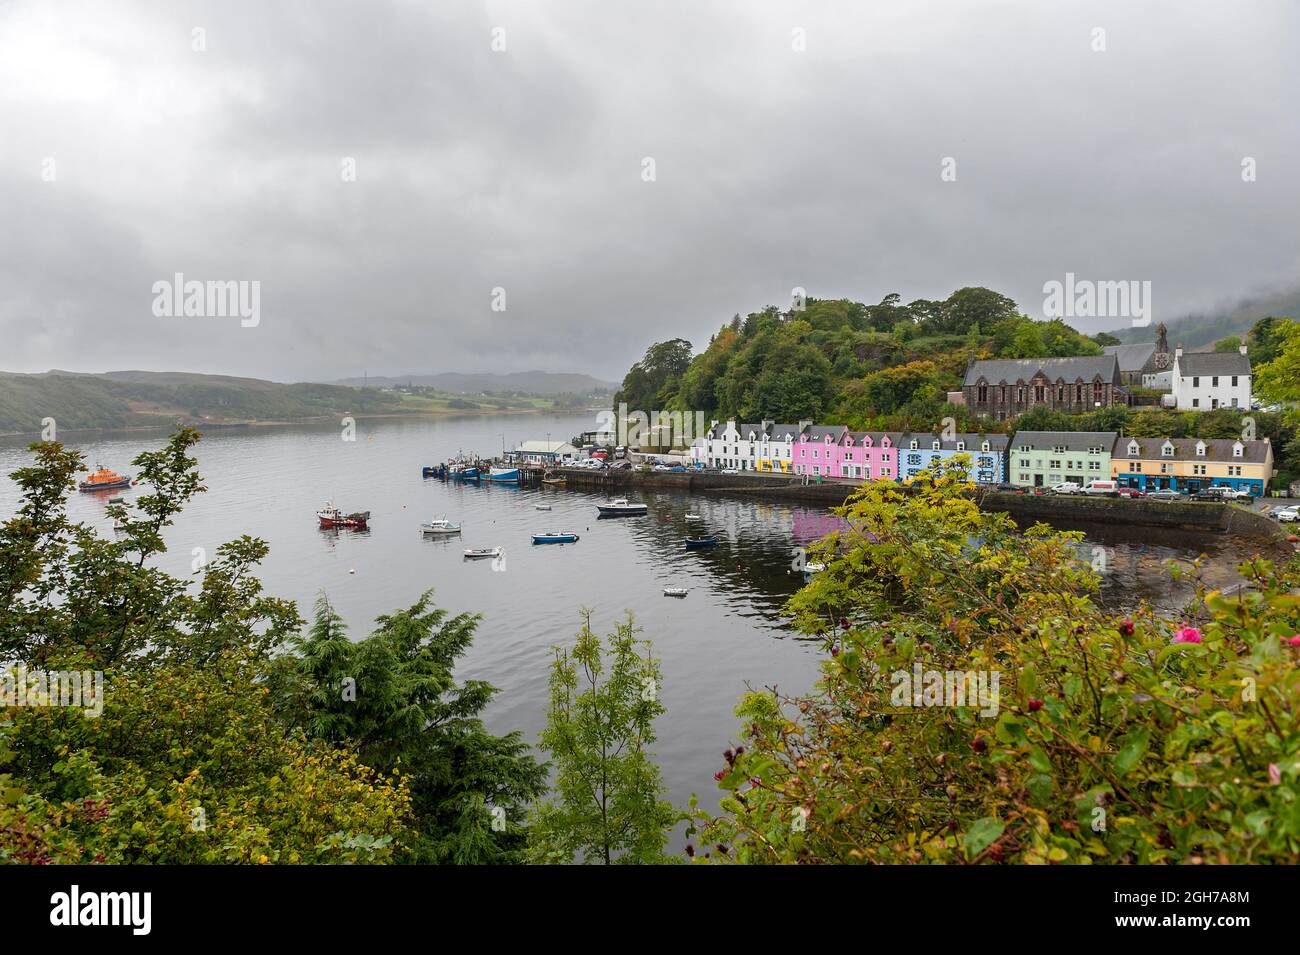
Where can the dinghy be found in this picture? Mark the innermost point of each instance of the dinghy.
(476, 552)
(674, 591)
(542, 507)
(551, 537)
(696, 543)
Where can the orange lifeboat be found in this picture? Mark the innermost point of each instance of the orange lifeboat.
(105, 480)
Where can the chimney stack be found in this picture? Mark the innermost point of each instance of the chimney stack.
(1243, 349)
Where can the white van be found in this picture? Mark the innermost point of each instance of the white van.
(1106, 488)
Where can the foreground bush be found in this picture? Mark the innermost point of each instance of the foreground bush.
(1111, 740)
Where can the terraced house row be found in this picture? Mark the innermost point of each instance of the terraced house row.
(833, 451)
(1027, 459)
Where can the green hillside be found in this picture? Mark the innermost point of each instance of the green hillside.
(139, 399)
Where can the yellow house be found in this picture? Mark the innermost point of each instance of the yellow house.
(1190, 464)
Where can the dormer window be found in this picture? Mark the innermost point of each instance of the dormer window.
(1200, 449)
(1133, 448)
(1237, 449)
(984, 446)
(934, 445)
(913, 445)
(1167, 450)
(961, 445)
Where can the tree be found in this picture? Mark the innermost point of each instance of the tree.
(1231, 343)
(1279, 380)
(599, 728)
(394, 697)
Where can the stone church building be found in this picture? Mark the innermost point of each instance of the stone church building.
(1004, 388)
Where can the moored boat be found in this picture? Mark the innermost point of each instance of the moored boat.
(105, 479)
(542, 507)
(620, 508)
(474, 553)
(551, 537)
(555, 481)
(440, 527)
(694, 517)
(503, 475)
(696, 543)
(463, 474)
(332, 516)
(674, 591)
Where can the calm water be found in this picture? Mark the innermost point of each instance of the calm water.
(726, 634)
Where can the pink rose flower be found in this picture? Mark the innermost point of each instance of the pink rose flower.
(1274, 774)
(1187, 635)
(1295, 641)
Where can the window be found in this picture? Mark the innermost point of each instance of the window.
(1196, 402)
(983, 392)
(1054, 464)
(934, 445)
(961, 445)
(1024, 462)
(1038, 393)
(1137, 466)
(1200, 449)
(984, 446)
(1167, 451)
(1094, 465)
(1024, 478)
(1237, 449)
(912, 445)
(1234, 383)
(1196, 381)
(1214, 382)
(1133, 448)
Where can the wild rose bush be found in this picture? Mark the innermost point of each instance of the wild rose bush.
(1116, 738)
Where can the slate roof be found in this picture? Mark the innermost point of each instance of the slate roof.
(1011, 370)
(925, 441)
(1070, 440)
(1216, 449)
(1132, 358)
(1213, 363)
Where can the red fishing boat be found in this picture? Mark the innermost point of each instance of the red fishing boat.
(105, 480)
(331, 516)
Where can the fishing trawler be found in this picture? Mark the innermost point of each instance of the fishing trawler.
(331, 516)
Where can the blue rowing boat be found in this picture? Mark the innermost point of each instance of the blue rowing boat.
(696, 543)
(550, 537)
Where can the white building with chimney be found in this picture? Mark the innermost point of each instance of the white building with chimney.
(1203, 381)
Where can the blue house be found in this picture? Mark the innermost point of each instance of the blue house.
(919, 452)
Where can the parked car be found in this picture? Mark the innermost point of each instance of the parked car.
(1102, 488)
(1209, 494)
(1165, 494)
(1009, 488)
(1131, 492)
(730, 471)
(1289, 515)
(1066, 487)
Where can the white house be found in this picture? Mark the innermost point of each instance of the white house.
(1203, 381)
(541, 452)
(766, 446)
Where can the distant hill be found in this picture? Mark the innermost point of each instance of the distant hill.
(129, 399)
(1195, 331)
(520, 382)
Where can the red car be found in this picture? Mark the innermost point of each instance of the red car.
(1131, 492)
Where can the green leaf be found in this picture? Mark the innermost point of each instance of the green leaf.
(1132, 748)
(982, 834)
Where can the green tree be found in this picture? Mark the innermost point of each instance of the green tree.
(393, 696)
(600, 725)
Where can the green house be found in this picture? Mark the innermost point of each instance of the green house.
(1044, 458)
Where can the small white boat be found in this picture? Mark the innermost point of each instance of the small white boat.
(440, 527)
(621, 507)
(476, 552)
(542, 507)
(810, 569)
(694, 517)
(674, 591)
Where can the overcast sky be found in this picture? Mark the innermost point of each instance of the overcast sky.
(524, 169)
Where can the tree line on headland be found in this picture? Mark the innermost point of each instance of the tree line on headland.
(229, 731)
(890, 366)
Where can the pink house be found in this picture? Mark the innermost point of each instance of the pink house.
(816, 450)
(835, 452)
(867, 456)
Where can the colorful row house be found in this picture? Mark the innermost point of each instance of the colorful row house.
(921, 452)
(766, 446)
(1045, 458)
(1191, 464)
